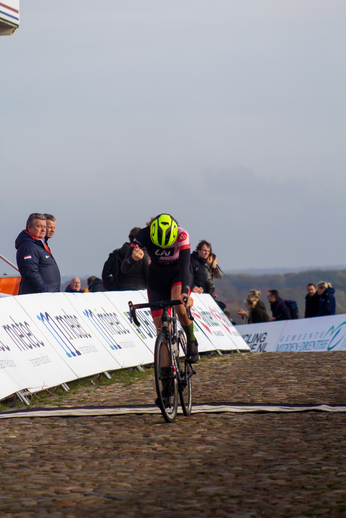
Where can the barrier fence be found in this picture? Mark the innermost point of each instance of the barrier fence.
(307, 334)
(49, 339)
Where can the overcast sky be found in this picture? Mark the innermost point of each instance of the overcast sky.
(228, 114)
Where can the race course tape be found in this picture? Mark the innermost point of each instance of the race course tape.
(150, 409)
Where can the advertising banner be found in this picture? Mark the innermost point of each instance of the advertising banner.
(68, 333)
(210, 333)
(110, 326)
(27, 359)
(306, 334)
(215, 317)
(313, 334)
(147, 330)
(261, 337)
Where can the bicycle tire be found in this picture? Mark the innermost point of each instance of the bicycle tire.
(166, 383)
(186, 372)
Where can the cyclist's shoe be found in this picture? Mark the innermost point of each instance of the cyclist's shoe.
(192, 355)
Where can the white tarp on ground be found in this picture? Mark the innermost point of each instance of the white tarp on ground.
(306, 334)
(51, 338)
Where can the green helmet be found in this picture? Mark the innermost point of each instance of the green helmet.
(164, 230)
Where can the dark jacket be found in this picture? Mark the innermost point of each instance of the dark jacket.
(38, 268)
(137, 277)
(258, 314)
(209, 282)
(96, 285)
(326, 304)
(311, 305)
(68, 289)
(199, 272)
(280, 310)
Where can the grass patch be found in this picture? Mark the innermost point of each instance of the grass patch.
(126, 377)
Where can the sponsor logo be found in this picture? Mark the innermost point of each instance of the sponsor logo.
(182, 237)
(107, 325)
(65, 329)
(47, 256)
(21, 335)
(257, 341)
(164, 253)
(336, 335)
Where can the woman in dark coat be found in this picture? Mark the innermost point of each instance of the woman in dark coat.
(256, 309)
(326, 304)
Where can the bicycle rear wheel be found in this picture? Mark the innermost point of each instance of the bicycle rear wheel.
(165, 381)
(185, 378)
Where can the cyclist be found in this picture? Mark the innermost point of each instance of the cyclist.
(169, 274)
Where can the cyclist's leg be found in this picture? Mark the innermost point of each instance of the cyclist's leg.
(159, 289)
(187, 324)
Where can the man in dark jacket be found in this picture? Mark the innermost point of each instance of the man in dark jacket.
(279, 309)
(95, 284)
(137, 277)
(74, 286)
(311, 301)
(200, 269)
(38, 269)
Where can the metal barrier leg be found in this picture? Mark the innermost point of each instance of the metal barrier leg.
(22, 396)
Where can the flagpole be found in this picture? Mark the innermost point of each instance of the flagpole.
(9, 262)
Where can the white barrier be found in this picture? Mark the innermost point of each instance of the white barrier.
(51, 338)
(308, 334)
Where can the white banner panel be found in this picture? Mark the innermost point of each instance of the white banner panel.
(261, 337)
(305, 334)
(68, 333)
(147, 330)
(26, 356)
(112, 328)
(313, 334)
(219, 323)
(215, 325)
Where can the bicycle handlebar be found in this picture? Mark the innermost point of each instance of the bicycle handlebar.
(163, 304)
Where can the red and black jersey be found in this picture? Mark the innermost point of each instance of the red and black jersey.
(172, 259)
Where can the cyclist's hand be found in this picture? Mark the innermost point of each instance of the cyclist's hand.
(196, 289)
(137, 253)
(186, 300)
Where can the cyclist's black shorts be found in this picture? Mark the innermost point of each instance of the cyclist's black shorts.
(160, 284)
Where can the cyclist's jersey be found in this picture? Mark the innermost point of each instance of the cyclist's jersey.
(172, 259)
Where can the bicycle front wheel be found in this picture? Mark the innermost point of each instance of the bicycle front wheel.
(185, 376)
(165, 380)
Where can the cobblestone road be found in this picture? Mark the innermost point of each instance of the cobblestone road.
(208, 465)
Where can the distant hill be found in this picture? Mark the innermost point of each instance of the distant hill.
(233, 288)
(264, 271)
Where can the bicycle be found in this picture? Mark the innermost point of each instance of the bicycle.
(173, 380)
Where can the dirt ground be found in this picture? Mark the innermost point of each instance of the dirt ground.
(208, 465)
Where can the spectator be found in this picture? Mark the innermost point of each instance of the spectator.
(50, 227)
(215, 273)
(95, 284)
(326, 304)
(199, 269)
(228, 315)
(137, 277)
(279, 309)
(38, 269)
(74, 286)
(256, 309)
(311, 301)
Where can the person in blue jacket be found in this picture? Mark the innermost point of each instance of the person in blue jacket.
(326, 305)
(37, 266)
